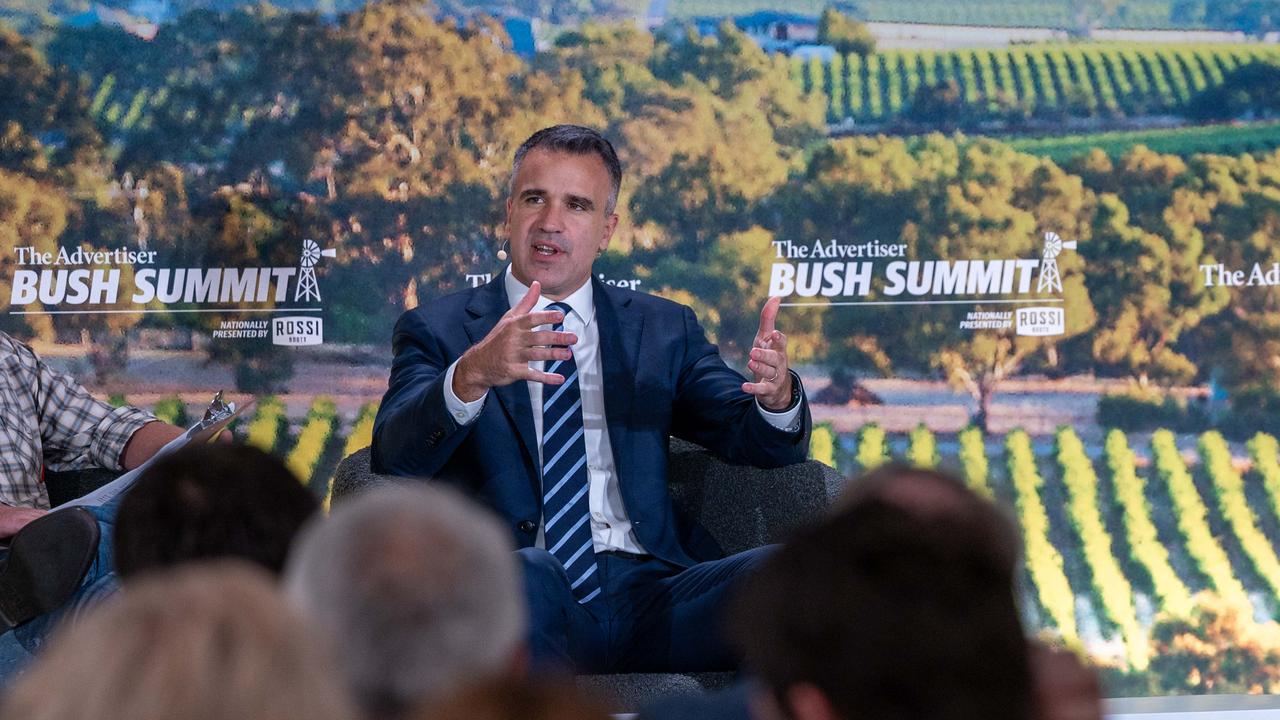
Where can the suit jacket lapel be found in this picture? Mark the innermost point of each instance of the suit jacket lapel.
(486, 308)
(620, 330)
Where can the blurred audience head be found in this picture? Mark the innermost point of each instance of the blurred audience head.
(421, 590)
(204, 642)
(211, 501)
(932, 494)
(1063, 687)
(511, 698)
(892, 609)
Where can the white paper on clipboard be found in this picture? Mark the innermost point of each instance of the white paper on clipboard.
(215, 419)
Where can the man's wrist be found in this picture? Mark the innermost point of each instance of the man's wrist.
(788, 420)
(465, 388)
(461, 412)
(776, 407)
(786, 401)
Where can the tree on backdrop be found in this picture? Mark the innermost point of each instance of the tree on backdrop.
(1251, 91)
(1144, 266)
(45, 128)
(844, 33)
(1219, 649)
(1130, 281)
(32, 215)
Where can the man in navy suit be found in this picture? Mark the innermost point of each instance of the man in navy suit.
(551, 397)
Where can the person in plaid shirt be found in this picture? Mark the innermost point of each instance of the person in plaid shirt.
(62, 561)
(48, 420)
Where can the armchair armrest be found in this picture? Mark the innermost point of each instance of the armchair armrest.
(353, 476)
(745, 507)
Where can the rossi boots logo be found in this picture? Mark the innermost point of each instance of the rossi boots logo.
(1041, 321)
(297, 330)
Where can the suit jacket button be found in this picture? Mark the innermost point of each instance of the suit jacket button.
(527, 526)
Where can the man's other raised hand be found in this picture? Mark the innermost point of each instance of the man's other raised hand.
(768, 363)
(503, 356)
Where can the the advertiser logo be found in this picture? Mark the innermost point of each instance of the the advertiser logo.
(297, 331)
(84, 278)
(86, 281)
(876, 273)
(1041, 321)
(824, 269)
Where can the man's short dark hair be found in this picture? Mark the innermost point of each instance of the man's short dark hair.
(211, 501)
(892, 616)
(575, 140)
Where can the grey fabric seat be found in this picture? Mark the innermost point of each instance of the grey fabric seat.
(742, 507)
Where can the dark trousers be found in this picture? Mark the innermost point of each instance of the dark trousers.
(650, 616)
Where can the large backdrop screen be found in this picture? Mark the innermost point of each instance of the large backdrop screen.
(1034, 242)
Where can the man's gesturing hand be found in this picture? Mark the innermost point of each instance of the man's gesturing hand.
(772, 386)
(503, 356)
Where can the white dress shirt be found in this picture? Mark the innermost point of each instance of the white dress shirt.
(610, 526)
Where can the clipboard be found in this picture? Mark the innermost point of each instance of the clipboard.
(217, 416)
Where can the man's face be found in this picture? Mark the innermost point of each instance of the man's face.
(557, 219)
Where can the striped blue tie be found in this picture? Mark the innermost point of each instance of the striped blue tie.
(565, 503)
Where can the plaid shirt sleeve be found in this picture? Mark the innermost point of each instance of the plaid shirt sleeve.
(75, 429)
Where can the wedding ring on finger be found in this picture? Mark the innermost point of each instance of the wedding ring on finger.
(775, 376)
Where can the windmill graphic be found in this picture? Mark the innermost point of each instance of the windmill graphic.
(308, 289)
(1050, 278)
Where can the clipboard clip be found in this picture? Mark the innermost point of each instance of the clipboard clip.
(216, 417)
(217, 411)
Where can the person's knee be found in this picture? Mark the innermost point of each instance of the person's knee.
(749, 560)
(764, 552)
(541, 569)
(546, 586)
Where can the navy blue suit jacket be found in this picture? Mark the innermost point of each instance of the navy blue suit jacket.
(661, 378)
